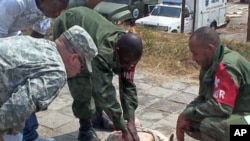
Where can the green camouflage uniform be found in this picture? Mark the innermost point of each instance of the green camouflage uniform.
(97, 88)
(31, 75)
(75, 3)
(224, 96)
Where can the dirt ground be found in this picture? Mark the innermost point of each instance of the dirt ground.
(236, 30)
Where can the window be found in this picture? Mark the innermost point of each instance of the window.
(166, 11)
(213, 1)
(117, 1)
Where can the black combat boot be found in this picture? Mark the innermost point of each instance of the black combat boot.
(86, 131)
(101, 121)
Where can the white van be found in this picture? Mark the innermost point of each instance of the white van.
(167, 15)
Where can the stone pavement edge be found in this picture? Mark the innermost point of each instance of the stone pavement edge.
(159, 106)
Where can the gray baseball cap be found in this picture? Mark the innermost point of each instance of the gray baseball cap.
(83, 44)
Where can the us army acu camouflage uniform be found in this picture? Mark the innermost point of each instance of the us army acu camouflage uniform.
(83, 44)
(223, 96)
(96, 89)
(31, 75)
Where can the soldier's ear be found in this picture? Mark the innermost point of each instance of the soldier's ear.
(73, 58)
(211, 47)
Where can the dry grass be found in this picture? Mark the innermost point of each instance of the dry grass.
(168, 54)
(242, 48)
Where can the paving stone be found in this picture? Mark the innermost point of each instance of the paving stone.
(164, 105)
(143, 86)
(142, 78)
(59, 103)
(150, 116)
(66, 111)
(43, 131)
(188, 80)
(168, 121)
(145, 100)
(159, 92)
(69, 128)
(192, 89)
(174, 85)
(67, 96)
(53, 119)
(182, 97)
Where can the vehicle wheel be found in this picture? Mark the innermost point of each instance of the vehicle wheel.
(174, 31)
(213, 25)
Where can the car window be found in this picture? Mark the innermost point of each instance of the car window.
(166, 11)
(117, 1)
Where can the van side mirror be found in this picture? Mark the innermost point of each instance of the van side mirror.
(192, 14)
(187, 14)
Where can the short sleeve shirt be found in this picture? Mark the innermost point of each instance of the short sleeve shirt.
(16, 15)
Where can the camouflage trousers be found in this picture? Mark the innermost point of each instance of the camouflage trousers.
(215, 129)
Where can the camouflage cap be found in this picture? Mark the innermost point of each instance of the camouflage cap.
(83, 44)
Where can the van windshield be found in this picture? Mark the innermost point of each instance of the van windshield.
(166, 11)
(117, 1)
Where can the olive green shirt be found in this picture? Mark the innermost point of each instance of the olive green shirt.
(224, 87)
(105, 65)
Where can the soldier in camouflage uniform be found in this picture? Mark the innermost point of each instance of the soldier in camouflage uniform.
(224, 90)
(118, 53)
(32, 72)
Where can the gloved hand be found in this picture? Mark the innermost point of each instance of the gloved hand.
(131, 133)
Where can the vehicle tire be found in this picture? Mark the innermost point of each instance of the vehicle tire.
(174, 31)
(213, 25)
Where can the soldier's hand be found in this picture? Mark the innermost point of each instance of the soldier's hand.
(132, 129)
(181, 127)
(126, 135)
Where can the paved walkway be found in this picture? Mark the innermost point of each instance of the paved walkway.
(159, 105)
